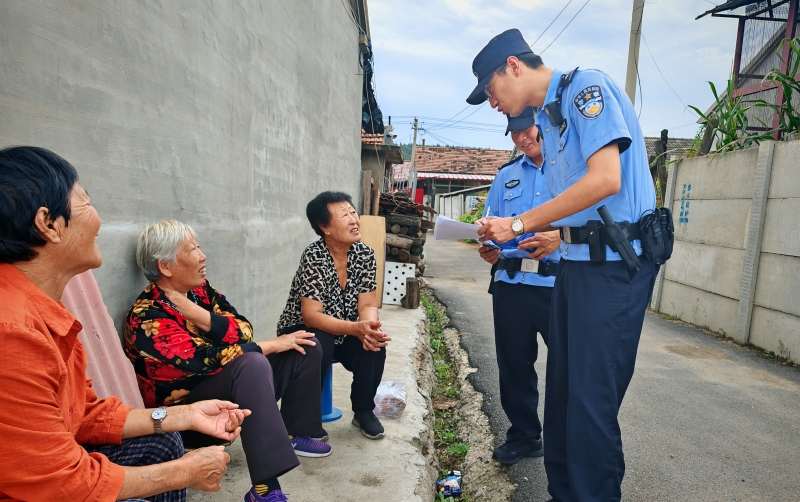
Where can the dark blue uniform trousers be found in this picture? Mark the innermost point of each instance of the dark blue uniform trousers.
(520, 311)
(597, 317)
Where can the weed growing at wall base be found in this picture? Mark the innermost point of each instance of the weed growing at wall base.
(450, 449)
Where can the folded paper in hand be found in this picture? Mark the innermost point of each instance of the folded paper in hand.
(448, 229)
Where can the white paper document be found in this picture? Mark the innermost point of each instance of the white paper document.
(448, 229)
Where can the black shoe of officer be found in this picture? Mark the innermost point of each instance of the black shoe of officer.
(370, 425)
(511, 452)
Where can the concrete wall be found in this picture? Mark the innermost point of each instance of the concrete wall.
(736, 263)
(228, 115)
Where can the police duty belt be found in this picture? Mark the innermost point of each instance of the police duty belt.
(514, 265)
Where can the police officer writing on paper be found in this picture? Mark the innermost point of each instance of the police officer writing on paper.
(596, 168)
(522, 289)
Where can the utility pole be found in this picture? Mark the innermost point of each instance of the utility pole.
(413, 171)
(633, 49)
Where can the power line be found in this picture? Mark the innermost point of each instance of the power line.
(660, 73)
(444, 140)
(352, 16)
(457, 121)
(674, 127)
(551, 24)
(565, 27)
(457, 114)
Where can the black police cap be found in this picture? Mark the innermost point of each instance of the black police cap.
(491, 57)
(522, 122)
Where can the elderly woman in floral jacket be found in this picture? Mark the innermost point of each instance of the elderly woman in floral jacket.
(187, 343)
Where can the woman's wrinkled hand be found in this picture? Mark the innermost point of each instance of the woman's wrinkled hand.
(221, 419)
(544, 243)
(496, 229)
(290, 341)
(206, 467)
(371, 336)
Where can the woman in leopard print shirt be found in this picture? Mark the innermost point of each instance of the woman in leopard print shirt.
(333, 295)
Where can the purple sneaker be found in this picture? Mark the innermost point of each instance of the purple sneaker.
(275, 496)
(305, 446)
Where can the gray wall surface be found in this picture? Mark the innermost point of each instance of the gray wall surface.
(736, 263)
(227, 115)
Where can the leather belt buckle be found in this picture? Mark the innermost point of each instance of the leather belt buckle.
(565, 235)
(529, 265)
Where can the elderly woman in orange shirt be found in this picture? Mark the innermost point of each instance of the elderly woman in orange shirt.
(60, 442)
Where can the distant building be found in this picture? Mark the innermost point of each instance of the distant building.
(444, 169)
(763, 24)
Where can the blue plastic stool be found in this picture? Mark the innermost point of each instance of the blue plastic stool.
(329, 412)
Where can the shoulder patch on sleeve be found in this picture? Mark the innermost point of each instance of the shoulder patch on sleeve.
(590, 102)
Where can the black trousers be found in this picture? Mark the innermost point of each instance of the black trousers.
(520, 311)
(256, 383)
(596, 322)
(366, 366)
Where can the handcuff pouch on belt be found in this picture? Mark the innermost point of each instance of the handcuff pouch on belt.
(657, 234)
(596, 237)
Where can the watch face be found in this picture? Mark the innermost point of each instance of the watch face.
(517, 226)
(159, 413)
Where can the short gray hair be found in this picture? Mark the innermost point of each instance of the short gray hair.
(160, 241)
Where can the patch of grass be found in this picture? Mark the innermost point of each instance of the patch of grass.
(450, 449)
(458, 449)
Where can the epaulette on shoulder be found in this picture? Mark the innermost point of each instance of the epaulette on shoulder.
(515, 159)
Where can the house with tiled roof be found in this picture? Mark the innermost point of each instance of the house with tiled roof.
(444, 169)
(378, 155)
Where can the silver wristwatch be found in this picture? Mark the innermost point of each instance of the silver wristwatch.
(516, 226)
(158, 415)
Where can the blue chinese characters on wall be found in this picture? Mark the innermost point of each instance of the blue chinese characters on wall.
(686, 195)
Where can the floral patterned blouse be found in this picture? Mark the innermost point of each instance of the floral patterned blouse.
(316, 279)
(170, 354)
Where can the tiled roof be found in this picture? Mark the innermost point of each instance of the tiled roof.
(672, 144)
(454, 176)
(441, 160)
(438, 159)
(371, 139)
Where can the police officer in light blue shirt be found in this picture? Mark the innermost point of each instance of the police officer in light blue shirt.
(594, 156)
(522, 290)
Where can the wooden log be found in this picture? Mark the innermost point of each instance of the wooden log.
(399, 241)
(376, 197)
(388, 226)
(416, 250)
(403, 230)
(395, 229)
(419, 241)
(403, 255)
(405, 220)
(393, 251)
(415, 259)
(427, 224)
(411, 300)
(366, 191)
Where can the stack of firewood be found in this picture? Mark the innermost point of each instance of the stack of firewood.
(406, 229)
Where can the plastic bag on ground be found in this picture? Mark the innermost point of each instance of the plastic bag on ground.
(390, 400)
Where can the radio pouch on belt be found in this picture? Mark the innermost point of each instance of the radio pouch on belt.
(658, 234)
(597, 240)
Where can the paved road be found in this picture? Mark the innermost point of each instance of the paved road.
(703, 420)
